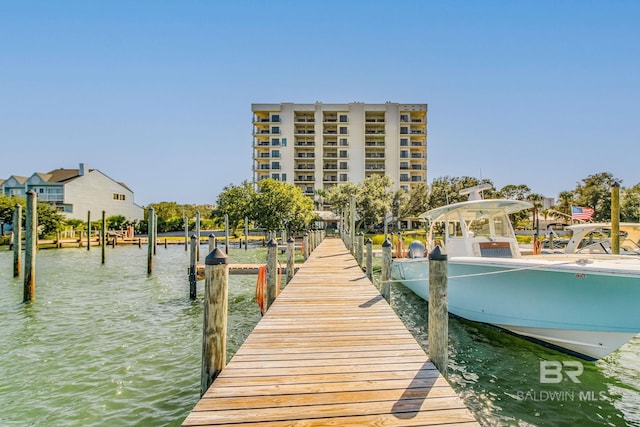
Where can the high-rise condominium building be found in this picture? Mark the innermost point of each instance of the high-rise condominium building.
(317, 146)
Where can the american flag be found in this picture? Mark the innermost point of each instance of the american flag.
(582, 214)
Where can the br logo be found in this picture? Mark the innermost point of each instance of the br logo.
(553, 372)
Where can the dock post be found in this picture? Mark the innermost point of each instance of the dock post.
(360, 250)
(149, 240)
(385, 278)
(369, 266)
(352, 224)
(186, 233)
(88, 230)
(198, 235)
(193, 255)
(31, 242)
(212, 242)
(438, 310)
(226, 234)
(291, 248)
(272, 272)
(103, 243)
(155, 232)
(214, 331)
(246, 233)
(58, 239)
(615, 218)
(305, 246)
(17, 239)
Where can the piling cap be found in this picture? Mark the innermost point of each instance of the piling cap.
(290, 240)
(615, 184)
(272, 243)
(369, 240)
(386, 243)
(216, 257)
(437, 255)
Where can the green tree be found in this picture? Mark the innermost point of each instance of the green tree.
(595, 192)
(237, 202)
(281, 205)
(514, 192)
(340, 195)
(49, 220)
(7, 207)
(416, 202)
(565, 201)
(373, 200)
(630, 204)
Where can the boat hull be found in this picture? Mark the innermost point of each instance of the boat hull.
(581, 307)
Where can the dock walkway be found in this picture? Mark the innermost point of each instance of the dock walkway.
(330, 351)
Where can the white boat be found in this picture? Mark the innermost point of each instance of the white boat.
(584, 305)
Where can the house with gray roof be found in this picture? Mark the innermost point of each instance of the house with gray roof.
(76, 192)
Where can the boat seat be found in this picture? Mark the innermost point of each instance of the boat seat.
(495, 249)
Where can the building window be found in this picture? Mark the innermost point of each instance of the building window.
(404, 130)
(404, 177)
(275, 153)
(276, 176)
(344, 142)
(275, 165)
(275, 141)
(275, 129)
(343, 177)
(404, 154)
(343, 130)
(284, 142)
(343, 154)
(343, 118)
(404, 165)
(117, 196)
(275, 118)
(404, 142)
(343, 165)
(284, 177)
(404, 118)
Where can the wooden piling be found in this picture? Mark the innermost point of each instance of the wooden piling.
(385, 277)
(615, 218)
(17, 239)
(186, 233)
(360, 250)
(103, 243)
(291, 249)
(246, 233)
(88, 230)
(438, 310)
(155, 233)
(150, 240)
(272, 272)
(305, 246)
(31, 242)
(139, 242)
(212, 242)
(214, 336)
(352, 224)
(198, 235)
(226, 234)
(369, 266)
(193, 255)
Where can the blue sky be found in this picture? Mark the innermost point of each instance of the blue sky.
(158, 94)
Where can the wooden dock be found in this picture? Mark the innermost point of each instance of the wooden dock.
(330, 351)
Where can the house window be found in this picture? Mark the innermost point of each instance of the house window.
(404, 177)
(117, 196)
(404, 154)
(404, 165)
(275, 117)
(343, 130)
(275, 165)
(404, 142)
(275, 141)
(343, 177)
(343, 118)
(404, 130)
(284, 142)
(343, 165)
(275, 129)
(343, 154)
(284, 177)
(404, 118)
(275, 153)
(344, 142)
(276, 176)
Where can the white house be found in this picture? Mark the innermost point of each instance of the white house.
(76, 192)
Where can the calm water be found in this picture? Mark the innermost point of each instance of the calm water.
(107, 345)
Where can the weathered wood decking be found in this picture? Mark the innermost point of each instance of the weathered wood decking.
(330, 351)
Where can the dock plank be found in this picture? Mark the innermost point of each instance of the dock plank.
(330, 352)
